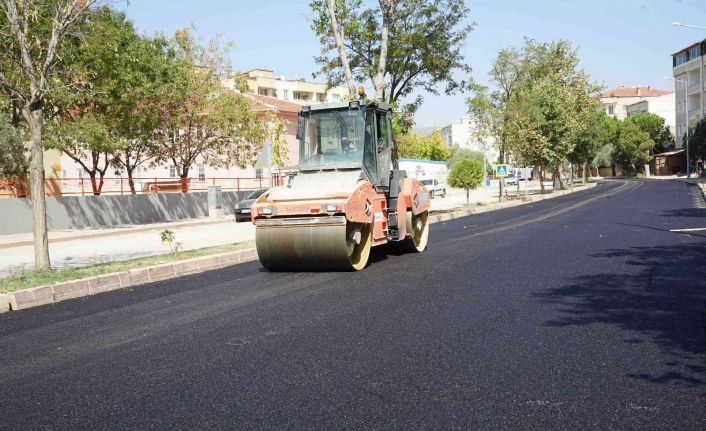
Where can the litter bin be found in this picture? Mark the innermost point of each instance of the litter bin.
(215, 202)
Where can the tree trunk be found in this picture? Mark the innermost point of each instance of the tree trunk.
(584, 167)
(541, 179)
(386, 7)
(338, 35)
(557, 172)
(34, 119)
(130, 180)
(468, 198)
(185, 180)
(94, 185)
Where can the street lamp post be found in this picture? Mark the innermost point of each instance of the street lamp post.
(679, 24)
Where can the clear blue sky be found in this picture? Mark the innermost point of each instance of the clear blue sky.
(621, 42)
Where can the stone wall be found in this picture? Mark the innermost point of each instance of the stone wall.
(80, 212)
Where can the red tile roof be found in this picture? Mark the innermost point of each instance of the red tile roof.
(272, 104)
(635, 92)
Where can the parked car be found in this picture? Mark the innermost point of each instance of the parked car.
(511, 179)
(242, 208)
(435, 188)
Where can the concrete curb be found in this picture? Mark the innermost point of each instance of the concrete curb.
(36, 296)
(4, 303)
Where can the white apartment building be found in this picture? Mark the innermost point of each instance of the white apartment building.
(264, 82)
(664, 106)
(690, 85)
(461, 133)
(616, 100)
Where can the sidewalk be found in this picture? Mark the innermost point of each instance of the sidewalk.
(89, 247)
(75, 248)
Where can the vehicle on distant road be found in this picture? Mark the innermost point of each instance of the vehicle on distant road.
(242, 208)
(435, 188)
(511, 179)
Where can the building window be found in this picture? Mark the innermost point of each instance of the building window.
(258, 173)
(681, 58)
(300, 96)
(694, 52)
(322, 97)
(202, 173)
(611, 110)
(172, 171)
(285, 94)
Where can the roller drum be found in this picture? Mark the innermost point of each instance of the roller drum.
(313, 247)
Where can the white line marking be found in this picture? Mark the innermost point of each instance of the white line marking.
(696, 229)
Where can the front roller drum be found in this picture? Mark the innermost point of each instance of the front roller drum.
(418, 231)
(343, 246)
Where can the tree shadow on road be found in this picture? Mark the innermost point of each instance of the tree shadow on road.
(664, 302)
(686, 212)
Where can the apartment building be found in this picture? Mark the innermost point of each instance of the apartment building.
(460, 133)
(690, 85)
(264, 82)
(664, 106)
(615, 101)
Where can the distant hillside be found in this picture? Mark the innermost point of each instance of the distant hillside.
(424, 131)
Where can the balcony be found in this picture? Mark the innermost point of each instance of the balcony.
(694, 88)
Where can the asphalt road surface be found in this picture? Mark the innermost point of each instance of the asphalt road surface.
(583, 311)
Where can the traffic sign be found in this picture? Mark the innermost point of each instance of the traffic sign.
(501, 171)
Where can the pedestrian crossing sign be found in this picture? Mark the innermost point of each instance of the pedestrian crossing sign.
(501, 171)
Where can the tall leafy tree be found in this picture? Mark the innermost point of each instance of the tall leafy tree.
(401, 46)
(697, 141)
(654, 125)
(432, 147)
(493, 110)
(91, 126)
(632, 150)
(589, 141)
(205, 122)
(32, 39)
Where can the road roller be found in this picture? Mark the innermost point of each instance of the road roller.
(346, 197)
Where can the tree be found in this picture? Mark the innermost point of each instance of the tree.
(589, 141)
(557, 99)
(466, 174)
(399, 45)
(32, 36)
(492, 111)
(13, 157)
(206, 122)
(432, 147)
(654, 125)
(458, 154)
(632, 148)
(697, 140)
(125, 81)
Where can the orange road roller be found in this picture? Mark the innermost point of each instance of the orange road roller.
(346, 197)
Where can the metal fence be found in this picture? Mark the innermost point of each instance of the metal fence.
(19, 187)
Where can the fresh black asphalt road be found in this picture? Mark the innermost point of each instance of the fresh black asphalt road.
(583, 311)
